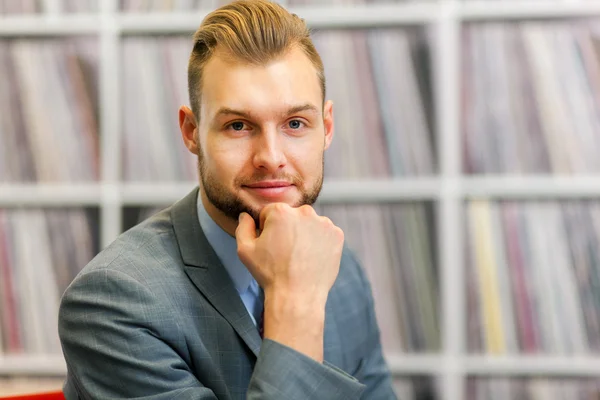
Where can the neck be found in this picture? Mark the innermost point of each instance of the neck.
(227, 224)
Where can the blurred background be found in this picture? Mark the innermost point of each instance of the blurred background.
(465, 172)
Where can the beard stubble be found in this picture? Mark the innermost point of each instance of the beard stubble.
(232, 206)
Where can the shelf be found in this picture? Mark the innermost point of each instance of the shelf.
(392, 190)
(150, 194)
(533, 365)
(46, 25)
(316, 17)
(399, 364)
(531, 187)
(33, 365)
(333, 191)
(156, 23)
(482, 10)
(55, 365)
(48, 195)
(358, 16)
(518, 365)
(414, 364)
(372, 15)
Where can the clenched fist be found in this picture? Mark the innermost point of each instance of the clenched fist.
(295, 259)
(297, 250)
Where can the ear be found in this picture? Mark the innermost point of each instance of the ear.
(189, 129)
(328, 122)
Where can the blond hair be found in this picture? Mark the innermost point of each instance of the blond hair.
(252, 31)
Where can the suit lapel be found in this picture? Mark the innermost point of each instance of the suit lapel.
(207, 273)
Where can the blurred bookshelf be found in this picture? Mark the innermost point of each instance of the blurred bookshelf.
(435, 141)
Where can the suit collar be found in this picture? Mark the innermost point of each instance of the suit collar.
(225, 247)
(195, 249)
(207, 273)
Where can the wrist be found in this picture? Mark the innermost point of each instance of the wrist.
(294, 303)
(297, 321)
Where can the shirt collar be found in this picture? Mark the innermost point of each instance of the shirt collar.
(225, 246)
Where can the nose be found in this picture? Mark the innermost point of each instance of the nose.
(269, 154)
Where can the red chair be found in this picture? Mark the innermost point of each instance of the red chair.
(37, 396)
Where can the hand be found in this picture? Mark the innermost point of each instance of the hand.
(297, 252)
(295, 259)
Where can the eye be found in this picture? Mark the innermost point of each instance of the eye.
(295, 124)
(237, 126)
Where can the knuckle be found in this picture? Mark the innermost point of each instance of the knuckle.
(280, 207)
(326, 221)
(269, 207)
(242, 248)
(266, 210)
(272, 210)
(307, 210)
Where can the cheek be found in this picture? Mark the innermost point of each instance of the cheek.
(307, 160)
(225, 163)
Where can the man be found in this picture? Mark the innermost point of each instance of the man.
(174, 307)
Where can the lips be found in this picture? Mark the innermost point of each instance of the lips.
(270, 189)
(269, 184)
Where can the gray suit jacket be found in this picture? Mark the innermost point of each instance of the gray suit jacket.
(156, 316)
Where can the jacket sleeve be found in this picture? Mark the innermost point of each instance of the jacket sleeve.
(373, 371)
(112, 331)
(113, 346)
(283, 373)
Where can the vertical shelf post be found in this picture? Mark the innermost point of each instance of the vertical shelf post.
(447, 80)
(110, 127)
(52, 9)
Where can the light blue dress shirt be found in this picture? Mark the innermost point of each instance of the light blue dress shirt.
(226, 248)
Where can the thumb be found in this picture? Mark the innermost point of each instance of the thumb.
(245, 233)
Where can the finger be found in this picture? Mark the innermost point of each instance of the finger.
(264, 213)
(245, 232)
(271, 211)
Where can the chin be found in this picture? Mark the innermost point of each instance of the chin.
(261, 203)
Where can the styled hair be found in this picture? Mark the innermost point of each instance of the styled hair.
(251, 31)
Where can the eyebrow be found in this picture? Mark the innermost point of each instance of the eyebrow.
(302, 107)
(245, 114)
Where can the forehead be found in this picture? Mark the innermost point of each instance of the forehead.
(288, 79)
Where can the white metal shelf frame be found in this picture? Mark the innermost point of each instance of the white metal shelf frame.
(334, 191)
(401, 365)
(332, 17)
(449, 189)
(110, 118)
(447, 82)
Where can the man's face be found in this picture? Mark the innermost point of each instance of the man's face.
(262, 133)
